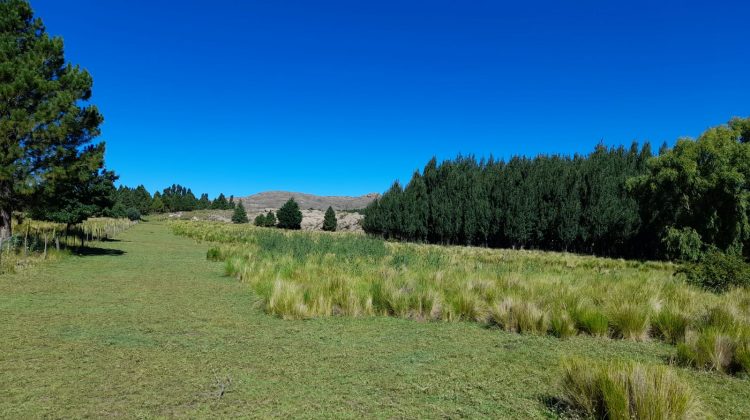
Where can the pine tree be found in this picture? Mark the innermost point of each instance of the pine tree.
(260, 220)
(289, 215)
(220, 203)
(204, 203)
(270, 219)
(157, 205)
(239, 215)
(47, 161)
(329, 220)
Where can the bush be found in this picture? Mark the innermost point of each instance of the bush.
(627, 391)
(289, 215)
(682, 244)
(260, 220)
(133, 214)
(718, 271)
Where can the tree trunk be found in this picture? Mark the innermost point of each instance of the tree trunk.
(5, 220)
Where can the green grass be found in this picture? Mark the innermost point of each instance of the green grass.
(299, 275)
(156, 331)
(628, 390)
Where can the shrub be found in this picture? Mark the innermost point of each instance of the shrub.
(627, 391)
(682, 244)
(718, 271)
(289, 215)
(260, 220)
(133, 214)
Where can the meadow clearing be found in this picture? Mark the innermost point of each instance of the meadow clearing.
(145, 325)
(303, 275)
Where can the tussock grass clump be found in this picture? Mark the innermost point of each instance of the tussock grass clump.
(591, 321)
(670, 324)
(308, 274)
(715, 349)
(627, 391)
(561, 324)
(630, 321)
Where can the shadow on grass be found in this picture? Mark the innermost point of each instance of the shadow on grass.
(93, 252)
(559, 407)
(111, 240)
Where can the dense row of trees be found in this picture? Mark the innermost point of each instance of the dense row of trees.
(174, 198)
(614, 201)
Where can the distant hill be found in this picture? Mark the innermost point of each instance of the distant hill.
(275, 199)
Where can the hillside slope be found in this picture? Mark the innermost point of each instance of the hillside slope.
(275, 199)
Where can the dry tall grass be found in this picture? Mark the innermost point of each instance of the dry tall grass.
(307, 274)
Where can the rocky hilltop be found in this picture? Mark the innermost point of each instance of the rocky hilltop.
(275, 199)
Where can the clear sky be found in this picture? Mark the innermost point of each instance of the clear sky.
(343, 97)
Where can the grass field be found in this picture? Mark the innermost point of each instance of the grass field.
(146, 326)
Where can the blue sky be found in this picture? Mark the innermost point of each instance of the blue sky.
(343, 97)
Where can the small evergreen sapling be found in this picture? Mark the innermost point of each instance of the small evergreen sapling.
(270, 219)
(329, 220)
(239, 216)
(289, 215)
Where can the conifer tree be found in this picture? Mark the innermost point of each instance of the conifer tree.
(260, 220)
(329, 220)
(204, 203)
(220, 203)
(239, 215)
(157, 205)
(48, 163)
(289, 215)
(270, 219)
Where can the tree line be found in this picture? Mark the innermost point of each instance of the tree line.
(127, 201)
(615, 201)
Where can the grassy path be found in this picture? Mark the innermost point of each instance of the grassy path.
(147, 327)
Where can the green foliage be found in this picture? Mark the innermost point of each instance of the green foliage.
(623, 390)
(157, 205)
(682, 244)
(47, 162)
(718, 271)
(203, 203)
(613, 202)
(239, 215)
(329, 220)
(260, 220)
(703, 185)
(289, 215)
(550, 202)
(220, 203)
(270, 219)
(133, 214)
